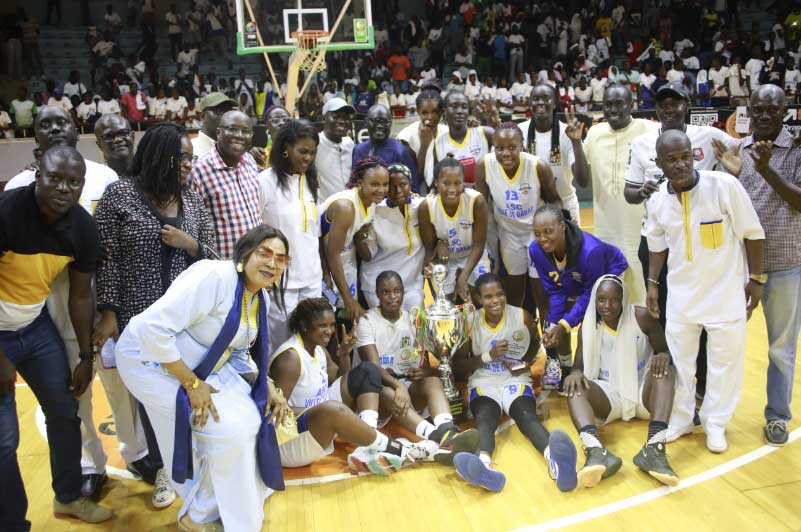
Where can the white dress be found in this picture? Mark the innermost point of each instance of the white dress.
(182, 325)
(396, 246)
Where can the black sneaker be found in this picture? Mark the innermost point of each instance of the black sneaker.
(454, 442)
(776, 432)
(653, 460)
(143, 469)
(599, 463)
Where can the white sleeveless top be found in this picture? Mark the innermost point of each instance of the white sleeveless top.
(362, 215)
(514, 198)
(395, 245)
(472, 149)
(456, 229)
(394, 341)
(641, 344)
(511, 328)
(312, 386)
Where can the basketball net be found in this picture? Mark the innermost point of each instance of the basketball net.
(308, 52)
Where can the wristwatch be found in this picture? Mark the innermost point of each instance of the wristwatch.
(759, 278)
(90, 356)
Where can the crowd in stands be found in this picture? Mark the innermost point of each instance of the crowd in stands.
(491, 51)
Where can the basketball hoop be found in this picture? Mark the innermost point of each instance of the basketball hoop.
(308, 46)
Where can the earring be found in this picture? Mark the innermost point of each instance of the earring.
(240, 267)
(285, 154)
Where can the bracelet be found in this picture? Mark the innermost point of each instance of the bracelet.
(191, 384)
(90, 356)
(653, 281)
(486, 357)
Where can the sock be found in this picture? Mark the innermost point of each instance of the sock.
(547, 453)
(590, 437)
(485, 459)
(441, 419)
(370, 417)
(424, 429)
(657, 432)
(380, 443)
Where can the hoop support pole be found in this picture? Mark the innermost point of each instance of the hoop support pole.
(276, 85)
(319, 58)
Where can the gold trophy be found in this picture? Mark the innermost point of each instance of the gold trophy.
(442, 328)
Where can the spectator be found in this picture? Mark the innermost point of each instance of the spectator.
(520, 91)
(598, 85)
(6, 125)
(738, 92)
(134, 106)
(753, 68)
(174, 30)
(399, 65)
(472, 88)
(87, 112)
(194, 21)
(213, 106)
(74, 87)
(397, 102)
(380, 145)
(30, 40)
(583, 96)
(719, 84)
(193, 119)
(364, 99)
(335, 150)
(157, 107)
(176, 107)
(107, 104)
(112, 20)
(216, 32)
(500, 54)
(675, 72)
(58, 100)
(23, 110)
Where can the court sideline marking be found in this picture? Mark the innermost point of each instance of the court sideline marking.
(648, 496)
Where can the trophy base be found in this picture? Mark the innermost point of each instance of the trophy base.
(458, 409)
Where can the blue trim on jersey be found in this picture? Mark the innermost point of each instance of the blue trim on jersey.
(325, 225)
(303, 422)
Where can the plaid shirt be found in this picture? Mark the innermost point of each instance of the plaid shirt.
(231, 196)
(781, 222)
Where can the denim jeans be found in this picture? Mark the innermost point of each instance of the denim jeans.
(781, 302)
(37, 352)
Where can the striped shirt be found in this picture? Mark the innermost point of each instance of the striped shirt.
(781, 222)
(231, 196)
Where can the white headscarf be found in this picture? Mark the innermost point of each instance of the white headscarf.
(623, 376)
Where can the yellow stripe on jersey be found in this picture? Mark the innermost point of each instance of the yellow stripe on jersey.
(364, 210)
(608, 328)
(303, 203)
(457, 144)
(448, 216)
(688, 232)
(26, 279)
(406, 231)
(512, 180)
(490, 328)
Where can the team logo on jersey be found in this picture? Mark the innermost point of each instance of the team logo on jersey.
(406, 341)
(476, 151)
(405, 355)
(465, 224)
(698, 154)
(518, 335)
(525, 188)
(576, 276)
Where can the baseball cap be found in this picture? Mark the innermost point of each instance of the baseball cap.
(672, 89)
(214, 99)
(337, 104)
(777, 27)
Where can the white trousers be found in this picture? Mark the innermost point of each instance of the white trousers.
(226, 484)
(278, 321)
(725, 351)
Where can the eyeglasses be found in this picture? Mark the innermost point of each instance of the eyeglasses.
(186, 158)
(281, 260)
(237, 131)
(111, 136)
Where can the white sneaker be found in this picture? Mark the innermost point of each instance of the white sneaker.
(163, 494)
(367, 460)
(674, 434)
(422, 451)
(716, 443)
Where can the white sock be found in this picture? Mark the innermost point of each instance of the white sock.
(370, 417)
(547, 454)
(485, 459)
(589, 440)
(424, 429)
(441, 419)
(380, 443)
(659, 437)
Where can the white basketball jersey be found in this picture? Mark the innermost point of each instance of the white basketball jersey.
(608, 337)
(456, 229)
(312, 386)
(511, 328)
(396, 246)
(394, 341)
(468, 152)
(361, 216)
(515, 198)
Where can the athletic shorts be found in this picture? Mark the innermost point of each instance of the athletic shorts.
(616, 403)
(504, 394)
(304, 449)
(481, 268)
(514, 254)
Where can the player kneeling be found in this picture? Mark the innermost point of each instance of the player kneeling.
(385, 338)
(498, 356)
(323, 395)
(622, 370)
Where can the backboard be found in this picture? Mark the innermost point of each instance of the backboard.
(273, 32)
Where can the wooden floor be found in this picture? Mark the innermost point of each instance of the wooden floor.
(759, 489)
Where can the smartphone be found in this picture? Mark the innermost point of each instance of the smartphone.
(517, 367)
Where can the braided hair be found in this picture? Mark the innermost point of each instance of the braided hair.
(287, 136)
(430, 93)
(555, 157)
(307, 310)
(157, 162)
(448, 162)
(361, 168)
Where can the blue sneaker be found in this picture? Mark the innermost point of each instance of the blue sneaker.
(561, 458)
(472, 469)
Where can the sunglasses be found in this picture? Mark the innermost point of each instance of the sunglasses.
(281, 260)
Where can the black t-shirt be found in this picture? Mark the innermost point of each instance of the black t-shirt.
(33, 253)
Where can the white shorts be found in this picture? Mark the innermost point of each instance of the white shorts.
(481, 268)
(304, 449)
(503, 394)
(616, 403)
(514, 259)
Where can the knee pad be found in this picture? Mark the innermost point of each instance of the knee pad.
(364, 378)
